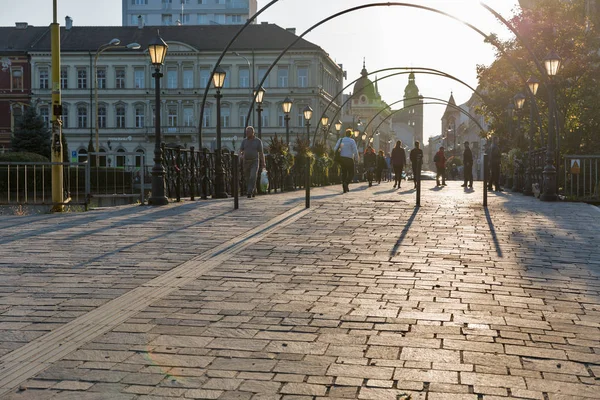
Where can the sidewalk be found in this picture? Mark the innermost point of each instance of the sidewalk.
(361, 296)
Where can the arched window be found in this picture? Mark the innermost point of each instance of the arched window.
(121, 159)
(102, 158)
(82, 117)
(82, 155)
(139, 116)
(138, 158)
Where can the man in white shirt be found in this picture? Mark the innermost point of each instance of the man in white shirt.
(348, 153)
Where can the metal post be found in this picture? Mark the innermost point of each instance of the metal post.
(549, 170)
(287, 129)
(307, 177)
(527, 190)
(259, 111)
(57, 156)
(236, 180)
(485, 178)
(193, 174)
(418, 178)
(158, 171)
(219, 173)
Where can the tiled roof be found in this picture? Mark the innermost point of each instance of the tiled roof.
(202, 37)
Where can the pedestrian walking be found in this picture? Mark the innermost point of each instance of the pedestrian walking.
(398, 163)
(253, 160)
(388, 168)
(495, 160)
(348, 153)
(370, 160)
(440, 165)
(381, 166)
(416, 159)
(467, 166)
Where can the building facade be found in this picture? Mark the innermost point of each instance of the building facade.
(187, 12)
(408, 121)
(124, 112)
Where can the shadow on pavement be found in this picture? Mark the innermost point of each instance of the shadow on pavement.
(404, 232)
(493, 232)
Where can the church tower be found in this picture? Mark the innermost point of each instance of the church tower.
(413, 103)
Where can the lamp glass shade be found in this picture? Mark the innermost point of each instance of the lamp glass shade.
(133, 46)
(552, 63)
(115, 42)
(259, 93)
(219, 77)
(519, 100)
(356, 133)
(324, 120)
(371, 140)
(307, 113)
(533, 84)
(338, 126)
(287, 105)
(157, 50)
(364, 136)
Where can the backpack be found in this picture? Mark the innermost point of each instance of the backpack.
(436, 158)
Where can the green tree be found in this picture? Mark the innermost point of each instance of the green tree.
(31, 134)
(549, 25)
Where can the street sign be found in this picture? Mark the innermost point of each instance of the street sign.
(575, 166)
(73, 155)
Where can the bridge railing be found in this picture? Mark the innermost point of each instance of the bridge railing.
(582, 177)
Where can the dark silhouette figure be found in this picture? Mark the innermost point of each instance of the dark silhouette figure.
(468, 166)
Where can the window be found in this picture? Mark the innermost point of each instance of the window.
(120, 78)
(264, 116)
(204, 77)
(303, 77)
(167, 19)
(261, 73)
(44, 78)
(167, 1)
(201, 1)
(282, 77)
(139, 116)
(65, 117)
(235, 19)
(300, 116)
(81, 117)
(172, 116)
(81, 78)
(135, 19)
(186, 19)
(244, 77)
(243, 115)
(188, 116)
(64, 78)
(138, 157)
(101, 76)
(121, 158)
(82, 155)
(188, 78)
(45, 115)
(206, 117)
(17, 78)
(219, 19)
(101, 117)
(172, 78)
(202, 19)
(139, 2)
(120, 117)
(227, 82)
(281, 119)
(139, 78)
(225, 116)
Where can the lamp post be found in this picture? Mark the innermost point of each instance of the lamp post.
(219, 80)
(307, 116)
(552, 63)
(325, 125)
(533, 85)
(112, 44)
(519, 101)
(157, 50)
(259, 93)
(338, 128)
(287, 108)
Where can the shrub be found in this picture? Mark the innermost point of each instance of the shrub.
(22, 156)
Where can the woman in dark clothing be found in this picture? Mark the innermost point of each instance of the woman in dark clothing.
(398, 162)
(370, 162)
(381, 166)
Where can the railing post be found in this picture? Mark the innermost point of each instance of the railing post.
(307, 182)
(236, 182)
(88, 184)
(204, 174)
(178, 172)
(143, 177)
(417, 176)
(485, 178)
(193, 174)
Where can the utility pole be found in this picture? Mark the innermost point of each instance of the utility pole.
(56, 145)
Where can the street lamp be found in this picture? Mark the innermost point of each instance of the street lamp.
(552, 63)
(219, 80)
(157, 50)
(308, 112)
(325, 125)
(532, 84)
(112, 44)
(287, 108)
(259, 93)
(519, 101)
(338, 128)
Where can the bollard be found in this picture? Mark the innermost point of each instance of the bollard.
(307, 182)
(236, 181)
(485, 178)
(417, 176)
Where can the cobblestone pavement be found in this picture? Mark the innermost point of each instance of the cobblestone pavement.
(361, 296)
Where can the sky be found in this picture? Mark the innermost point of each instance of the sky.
(385, 37)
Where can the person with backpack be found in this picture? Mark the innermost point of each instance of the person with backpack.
(440, 165)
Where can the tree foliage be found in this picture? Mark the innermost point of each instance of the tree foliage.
(549, 25)
(31, 134)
